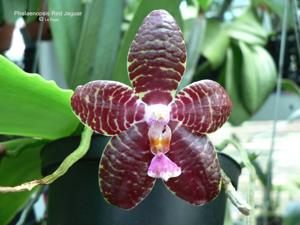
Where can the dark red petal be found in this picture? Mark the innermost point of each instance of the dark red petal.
(200, 181)
(108, 107)
(203, 106)
(123, 168)
(156, 59)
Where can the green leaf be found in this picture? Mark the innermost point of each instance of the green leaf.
(66, 31)
(120, 70)
(1, 13)
(32, 6)
(188, 28)
(130, 7)
(12, 6)
(232, 83)
(260, 173)
(194, 46)
(290, 86)
(258, 76)
(277, 6)
(292, 214)
(202, 71)
(16, 170)
(294, 116)
(99, 42)
(204, 4)
(246, 28)
(215, 43)
(32, 106)
(14, 148)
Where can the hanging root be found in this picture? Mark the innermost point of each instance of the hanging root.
(234, 196)
(61, 170)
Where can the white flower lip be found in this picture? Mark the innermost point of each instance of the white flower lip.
(157, 113)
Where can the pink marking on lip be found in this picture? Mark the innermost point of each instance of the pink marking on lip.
(163, 167)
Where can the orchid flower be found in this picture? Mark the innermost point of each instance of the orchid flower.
(156, 132)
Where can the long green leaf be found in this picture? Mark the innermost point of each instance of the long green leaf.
(215, 43)
(290, 86)
(232, 81)
(32, 106)
(146, 6)
(246, 28)
(194, 47)
(1, 12)
(15, 170)
(13, 148)
(258, 76)
(12, 6)
(109, 39)
(99, 42)
(260, 173)
(66, 31)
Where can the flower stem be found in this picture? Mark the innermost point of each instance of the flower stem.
(234, 196)
(252, 175)
(61, 170)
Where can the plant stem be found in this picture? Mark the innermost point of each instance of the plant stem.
(296, 26)
(252, 178)
(234, 196)
(268, 190)
(61, 170)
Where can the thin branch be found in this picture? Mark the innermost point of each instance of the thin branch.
(295, 9)
(234, 196)
(252, 178)
(61, 170)
(267, 197)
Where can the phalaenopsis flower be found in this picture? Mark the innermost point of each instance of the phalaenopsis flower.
(156, 132)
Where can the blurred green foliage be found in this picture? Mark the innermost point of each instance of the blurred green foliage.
(204, 4)
(248, 70)
(292, 215)
(21, 164)
(8, 8)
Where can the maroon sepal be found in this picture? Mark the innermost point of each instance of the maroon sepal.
(108, 107)
(200, 180)
(123, 168)
(156, 59)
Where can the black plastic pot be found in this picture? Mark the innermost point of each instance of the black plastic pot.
(75, 198)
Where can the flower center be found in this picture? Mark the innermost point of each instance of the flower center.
(159, 138)
(158, 114)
